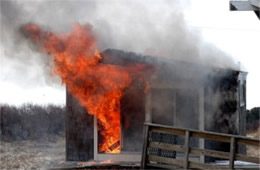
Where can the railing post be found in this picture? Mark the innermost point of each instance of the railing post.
(145, 144)
(232, 152)
(201, 121)
(186, 146)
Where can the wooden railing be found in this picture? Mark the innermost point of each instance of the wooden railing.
(162, 161)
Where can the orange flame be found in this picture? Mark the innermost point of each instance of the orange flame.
(98, 87)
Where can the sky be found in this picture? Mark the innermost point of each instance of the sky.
(236, 33)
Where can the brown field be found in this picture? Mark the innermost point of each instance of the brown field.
(33, 154)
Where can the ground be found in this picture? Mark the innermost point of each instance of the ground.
(45, 153)
(50, 153)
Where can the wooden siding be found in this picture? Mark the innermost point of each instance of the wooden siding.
(79, 132)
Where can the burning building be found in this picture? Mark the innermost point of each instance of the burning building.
(111, 94)
(181, 94)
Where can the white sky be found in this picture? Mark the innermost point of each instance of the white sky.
(236, 33)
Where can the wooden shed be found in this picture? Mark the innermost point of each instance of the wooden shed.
(182, 94)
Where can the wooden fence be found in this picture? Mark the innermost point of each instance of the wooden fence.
(149, 159)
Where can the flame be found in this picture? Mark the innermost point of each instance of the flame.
(98, 87)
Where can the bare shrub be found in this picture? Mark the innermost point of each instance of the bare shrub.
(31, 121)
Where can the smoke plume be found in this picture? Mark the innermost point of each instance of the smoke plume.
(157, 28)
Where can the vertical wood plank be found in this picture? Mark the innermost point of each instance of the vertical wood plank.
(95, 139)
(68, 110)
(148, 112)
(174, 108)
(201, 122)
(186, 146)
(144, 153)
(232, 152)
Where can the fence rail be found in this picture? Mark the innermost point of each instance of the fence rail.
(162, 161)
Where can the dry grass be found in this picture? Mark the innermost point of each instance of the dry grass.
(33, 154)
(251, 150)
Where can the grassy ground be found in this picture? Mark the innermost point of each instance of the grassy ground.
(46, 153)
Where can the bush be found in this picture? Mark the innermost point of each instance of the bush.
(31, 121)
(253, 118)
